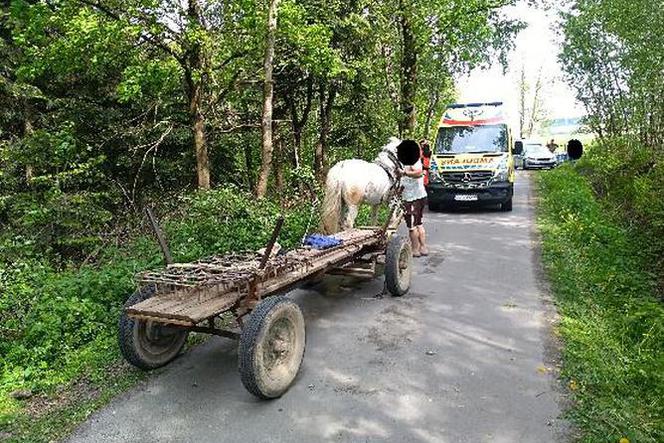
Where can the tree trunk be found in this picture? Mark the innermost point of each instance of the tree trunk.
(434, 99)
(279, 179)
(536, 110)
(408, 75)
(299, 122)
(194, 77)
(392, 88)
(200, 144)
(268, 91)
(523, 90)
(326, 101)
(27, 132)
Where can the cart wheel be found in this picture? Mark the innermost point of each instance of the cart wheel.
(146, 344)
(271, 347)
(398, 264)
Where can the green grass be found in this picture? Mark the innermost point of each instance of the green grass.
(612, 322)
(60, 420)
(58, 324)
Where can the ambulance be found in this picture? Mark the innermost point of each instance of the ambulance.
(472, 160)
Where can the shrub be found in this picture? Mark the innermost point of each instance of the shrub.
(58, 323)
(629, 177)
(611, 322)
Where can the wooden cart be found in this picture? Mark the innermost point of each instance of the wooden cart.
(241, 290)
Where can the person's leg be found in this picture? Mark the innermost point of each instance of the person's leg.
(415, 241)
(421, 234)
(422, 238)
(409, 216)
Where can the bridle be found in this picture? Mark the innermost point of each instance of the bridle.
(393, 171)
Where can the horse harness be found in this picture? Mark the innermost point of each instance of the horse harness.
(394, 175)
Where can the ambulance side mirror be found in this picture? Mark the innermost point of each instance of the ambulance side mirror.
(574, 149)
(518, 148)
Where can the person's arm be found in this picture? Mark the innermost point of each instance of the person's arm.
(413, 172)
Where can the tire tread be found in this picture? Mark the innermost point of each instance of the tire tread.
(126, 331)
(248, 340)
(392, 253)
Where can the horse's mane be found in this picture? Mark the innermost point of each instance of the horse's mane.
(392, 144)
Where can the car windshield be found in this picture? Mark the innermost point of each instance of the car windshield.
(537, 150)
(471, 139)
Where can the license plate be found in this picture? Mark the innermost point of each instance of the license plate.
(465, 197)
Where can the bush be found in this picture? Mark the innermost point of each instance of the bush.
(229, 219)
(629, 177)
(59, 323)
(611, 321)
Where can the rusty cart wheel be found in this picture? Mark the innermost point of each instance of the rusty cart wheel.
(146, 344)
(398, 265)
(271, 347)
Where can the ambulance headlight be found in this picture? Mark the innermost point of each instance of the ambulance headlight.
(502, 172)
(501, 175)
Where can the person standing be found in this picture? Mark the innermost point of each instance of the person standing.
(552, 146)
(425, 154)
(414, 198)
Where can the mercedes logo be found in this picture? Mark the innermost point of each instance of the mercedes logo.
(472, 113)
(466, 177)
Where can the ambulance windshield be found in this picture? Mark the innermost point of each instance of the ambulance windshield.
(471, 139)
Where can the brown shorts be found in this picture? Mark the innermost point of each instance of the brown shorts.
(412, 212)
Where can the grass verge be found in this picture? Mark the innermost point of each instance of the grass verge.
(612, 322)
(52, 417)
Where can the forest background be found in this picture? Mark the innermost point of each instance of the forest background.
(220, 115)
(109, 106)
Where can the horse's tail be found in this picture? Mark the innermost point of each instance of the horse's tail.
(331, 203)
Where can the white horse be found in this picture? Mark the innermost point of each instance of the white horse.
(353, 182)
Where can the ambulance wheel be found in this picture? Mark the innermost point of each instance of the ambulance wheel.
(436, 207)
(507, 206)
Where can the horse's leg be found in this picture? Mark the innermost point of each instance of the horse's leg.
(374, 215)
(343, 215)
(351, 215)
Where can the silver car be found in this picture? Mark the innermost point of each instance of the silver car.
(536, 156)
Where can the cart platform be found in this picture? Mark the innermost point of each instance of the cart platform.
(189, 293)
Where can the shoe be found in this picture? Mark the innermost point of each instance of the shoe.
(416, 254)
(424, 252)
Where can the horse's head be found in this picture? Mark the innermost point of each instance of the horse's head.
(388, 155)
(408, 152)
(399, 152)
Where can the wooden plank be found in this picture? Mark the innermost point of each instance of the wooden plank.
(190, 310)
(174, 304)
(159, 319)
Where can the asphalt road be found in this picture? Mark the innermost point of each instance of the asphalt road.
(466, 356)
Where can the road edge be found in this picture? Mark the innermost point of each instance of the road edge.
(553, 343)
